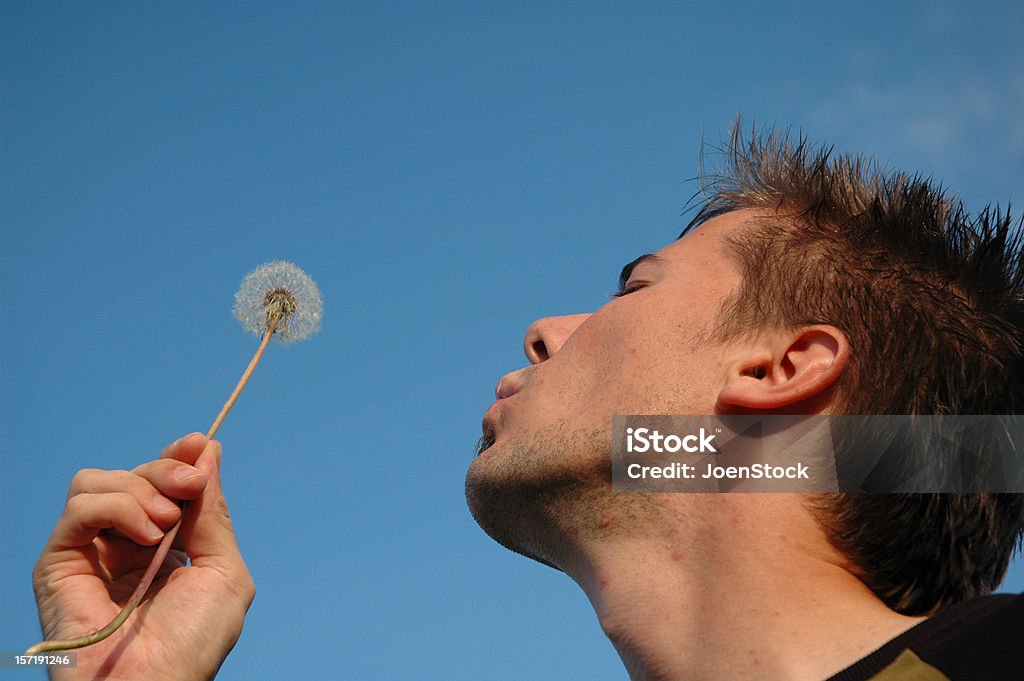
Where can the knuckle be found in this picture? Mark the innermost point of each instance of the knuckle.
(220, 505)
(92, 480)
(40, 579)
(84, 474)
(243, 587)
(76, 504)
(248, 590)
(81, 478)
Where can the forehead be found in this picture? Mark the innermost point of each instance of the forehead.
(709, 241)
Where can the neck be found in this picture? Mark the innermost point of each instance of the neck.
(743, 602)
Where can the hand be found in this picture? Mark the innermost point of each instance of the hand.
(192, 615)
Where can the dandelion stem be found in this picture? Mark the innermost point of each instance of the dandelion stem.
(165, 544)
(240, 386)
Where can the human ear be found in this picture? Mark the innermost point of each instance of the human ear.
(782, 368)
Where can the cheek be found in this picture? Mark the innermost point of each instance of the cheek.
(644, 355)
(668, 366)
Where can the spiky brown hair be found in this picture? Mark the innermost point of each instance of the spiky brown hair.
(931, 299)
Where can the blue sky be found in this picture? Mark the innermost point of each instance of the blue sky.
(447, 173)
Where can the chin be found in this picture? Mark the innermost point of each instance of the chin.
(507, 494)
(506, 514)
(530, 495)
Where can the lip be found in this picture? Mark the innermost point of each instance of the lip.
(506, 388)
(492, 415)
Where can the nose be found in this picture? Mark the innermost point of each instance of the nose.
(545, 336)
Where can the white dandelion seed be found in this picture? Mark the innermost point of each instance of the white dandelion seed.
(279, 289)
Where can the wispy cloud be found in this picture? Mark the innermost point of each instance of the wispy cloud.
(957, 114)
(935, 118)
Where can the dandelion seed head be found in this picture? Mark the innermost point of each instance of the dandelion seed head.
(279, 289)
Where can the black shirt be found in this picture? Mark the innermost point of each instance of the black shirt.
(981, 639)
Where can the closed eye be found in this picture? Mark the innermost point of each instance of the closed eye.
(627, 288)
(626, 285)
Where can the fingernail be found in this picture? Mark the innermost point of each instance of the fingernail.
(163, 504)
(183, 474)
(184, 437)
(154, 531)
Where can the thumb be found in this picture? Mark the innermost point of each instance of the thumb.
(207, 533)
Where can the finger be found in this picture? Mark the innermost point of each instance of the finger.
(207, 531)
(155, 485)
(173, 479)
(187, 448)
(85, 515)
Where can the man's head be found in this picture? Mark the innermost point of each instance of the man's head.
(807, 283)
(541, 482)
(932, 302)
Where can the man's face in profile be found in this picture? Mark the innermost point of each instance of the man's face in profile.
(650, 351)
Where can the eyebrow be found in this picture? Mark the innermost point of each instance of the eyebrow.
(627, 271)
